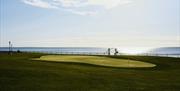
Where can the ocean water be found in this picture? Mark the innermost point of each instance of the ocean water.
(59, 50)
(164, 51)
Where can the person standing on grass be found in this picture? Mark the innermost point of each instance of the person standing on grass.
(115, 51)
(109, 51)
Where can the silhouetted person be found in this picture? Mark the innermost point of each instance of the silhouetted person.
(115, 51)
(18, 51)
(109, 51)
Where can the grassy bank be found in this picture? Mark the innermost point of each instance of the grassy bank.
(19, 73)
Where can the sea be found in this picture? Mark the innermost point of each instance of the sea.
(165, 51)
(162, 51)
(59, 50)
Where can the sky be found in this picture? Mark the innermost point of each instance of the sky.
(90, 23)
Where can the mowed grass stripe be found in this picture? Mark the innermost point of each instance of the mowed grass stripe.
(19, 73)
(97, 60)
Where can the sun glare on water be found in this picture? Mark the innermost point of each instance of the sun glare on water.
(133, 50)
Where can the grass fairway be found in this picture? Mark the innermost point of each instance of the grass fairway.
(19, 73)
(97, 60)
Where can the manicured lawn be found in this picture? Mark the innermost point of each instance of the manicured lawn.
(97, 60)
(19, 73)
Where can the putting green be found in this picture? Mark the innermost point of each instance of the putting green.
(97, 60)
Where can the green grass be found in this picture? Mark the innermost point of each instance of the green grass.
(97, 60)
(19, 73)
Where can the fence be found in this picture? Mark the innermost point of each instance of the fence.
(69, 53)
(161, 55)
(105, 53)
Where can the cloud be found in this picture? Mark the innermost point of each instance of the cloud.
(108, 4)
(81, 7)
(39, 3)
